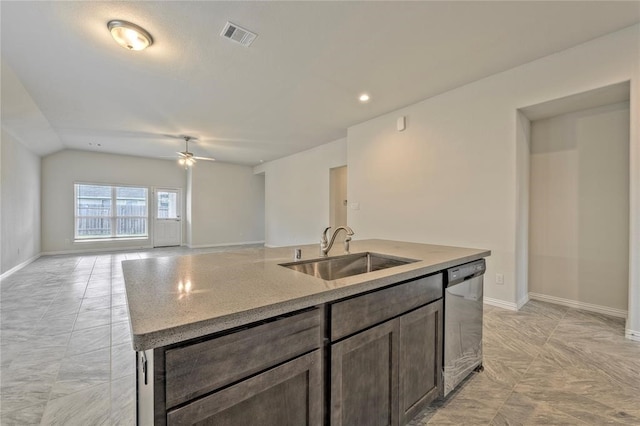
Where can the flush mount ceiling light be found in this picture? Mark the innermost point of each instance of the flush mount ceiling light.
(364, 98)
(130, 36)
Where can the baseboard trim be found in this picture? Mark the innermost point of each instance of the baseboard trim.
(20, 266)
(605, 310)
(96, 250)
(500, 303)
(242, 243)
(632, 335)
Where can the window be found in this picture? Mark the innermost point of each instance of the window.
(104, 211)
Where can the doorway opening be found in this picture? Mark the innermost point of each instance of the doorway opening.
(338, 197)
(573, 186)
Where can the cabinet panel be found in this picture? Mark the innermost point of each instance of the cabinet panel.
(420, 362)
(358, 313)
(199, 368)
(364, 378)
(288, 395)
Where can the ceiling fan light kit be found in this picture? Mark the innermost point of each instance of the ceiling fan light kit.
(186, 158)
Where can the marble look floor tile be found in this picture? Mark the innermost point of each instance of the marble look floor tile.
(61, 308)
(94, 303)
(120, 333)
(119, 313)
(80, 372)
(90, 339)
(118, 299)
(123, 401)
(54, 325)
(123, 361)
(24, 386)
(521, 410)
(97, 291)
(88, 407)
(93, 318)
(544, 310)
(30, 415)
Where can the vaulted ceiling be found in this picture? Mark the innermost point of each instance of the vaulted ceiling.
(67, 84)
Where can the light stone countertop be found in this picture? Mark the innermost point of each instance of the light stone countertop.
(172, 299)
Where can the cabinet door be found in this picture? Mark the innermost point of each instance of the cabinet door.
(288, 395)
(420, 362)
(364, 379)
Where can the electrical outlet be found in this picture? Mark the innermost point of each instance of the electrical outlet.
(499, 279)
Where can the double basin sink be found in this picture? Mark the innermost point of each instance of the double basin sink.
(333, 268)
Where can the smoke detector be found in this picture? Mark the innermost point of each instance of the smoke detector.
(238, 34)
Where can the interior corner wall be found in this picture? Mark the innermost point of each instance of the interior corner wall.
(451, 177)
(227, 205)
(20, 194)
(60, 171)
(297, 194)
(579, 211)
(523, 155)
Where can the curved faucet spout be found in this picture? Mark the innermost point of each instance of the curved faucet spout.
(325, 245)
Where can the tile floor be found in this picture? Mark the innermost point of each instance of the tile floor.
(66, 357)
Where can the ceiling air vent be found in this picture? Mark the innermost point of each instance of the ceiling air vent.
(238, 34)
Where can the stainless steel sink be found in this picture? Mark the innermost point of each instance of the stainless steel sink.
(332, 268)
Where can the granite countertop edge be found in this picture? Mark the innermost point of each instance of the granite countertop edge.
(366, 282)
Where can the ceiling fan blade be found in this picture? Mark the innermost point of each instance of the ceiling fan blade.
(205, 158)
(182, 154)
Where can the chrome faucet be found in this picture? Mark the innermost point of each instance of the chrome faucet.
(325, 244)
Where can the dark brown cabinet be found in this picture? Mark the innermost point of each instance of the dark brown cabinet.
(287, 395)
(420, 363)
(269, 373)
(386, 374)
(364, 378)
(371, 359)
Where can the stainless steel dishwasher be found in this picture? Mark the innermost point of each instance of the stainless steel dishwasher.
(462, 322)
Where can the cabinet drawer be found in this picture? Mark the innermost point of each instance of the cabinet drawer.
(202, 367)
(288, 395)
(358, 313)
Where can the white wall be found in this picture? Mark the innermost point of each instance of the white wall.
(20, 203)
(452, 176)
(227, 205)
(579, 207)
(297, 194)
(523, 147)
(61, 170)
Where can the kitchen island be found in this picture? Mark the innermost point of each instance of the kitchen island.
(226, 338)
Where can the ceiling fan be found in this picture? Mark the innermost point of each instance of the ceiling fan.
(186, 158)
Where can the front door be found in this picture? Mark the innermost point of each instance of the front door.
(167, 230)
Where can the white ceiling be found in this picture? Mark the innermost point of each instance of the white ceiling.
(66, 84)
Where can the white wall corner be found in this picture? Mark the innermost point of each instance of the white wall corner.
(522, 302)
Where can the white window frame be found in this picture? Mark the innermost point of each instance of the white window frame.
(114, 214)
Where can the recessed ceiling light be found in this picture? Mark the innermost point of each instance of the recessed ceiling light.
(130, 36)
(364, 97)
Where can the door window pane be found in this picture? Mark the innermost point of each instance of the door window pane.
(167, 205)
